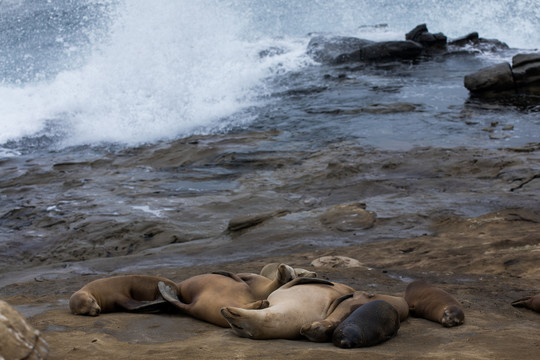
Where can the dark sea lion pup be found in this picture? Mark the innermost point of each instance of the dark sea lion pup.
(369, 325)
(119, 293)
(529, 302)
(322, 330)
(433, 303)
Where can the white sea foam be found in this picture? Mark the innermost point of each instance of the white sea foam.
(164, 71)
(173, 68)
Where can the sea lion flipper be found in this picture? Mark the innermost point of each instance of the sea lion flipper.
(168, 293)
(257, 305)
(146, 306)
(303, 281)
(338, 301)
(521, 302)
(228, 274)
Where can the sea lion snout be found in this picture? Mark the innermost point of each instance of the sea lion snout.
(95, 310)
(347, 337)
(93, 307)
(82, 303)
(452, 316)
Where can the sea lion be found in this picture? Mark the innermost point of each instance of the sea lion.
(301, 301)
(370, 324)
(203, 296)
(433, 303)
(322, 330)
(529, 302)
(119, 293)
(269, 271)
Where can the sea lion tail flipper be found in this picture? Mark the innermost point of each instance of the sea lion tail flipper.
(228, 274)
(146, 307)
(521, 302)
(170, 295)
(338, 301)
(303, 281)
(259, 304)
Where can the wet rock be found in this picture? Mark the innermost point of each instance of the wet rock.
(494, 78)
(19, 340)
(348, 217)
(392, 108)
(325, 49)
(383, 51)
(336, 262)
(244, 222)
(522, 76)
(465, 40)
(474, 41)
(526, 70)
(524, 59)
(421, 35)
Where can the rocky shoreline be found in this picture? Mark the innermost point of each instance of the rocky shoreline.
(465, 219)
(419, 43)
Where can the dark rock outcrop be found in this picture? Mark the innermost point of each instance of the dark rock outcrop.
(383, 51)
(325, 49)
(526, 70)
(474, 41)
(522, 77)
(421, 35)
(494, 78)
(419, 41)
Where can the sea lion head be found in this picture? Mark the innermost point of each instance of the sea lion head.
(318, 331)
(348, 337)
(305, 273)
(285, 273)
(82, 303)
(452, 316)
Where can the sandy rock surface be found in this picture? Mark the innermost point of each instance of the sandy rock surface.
(464, 219)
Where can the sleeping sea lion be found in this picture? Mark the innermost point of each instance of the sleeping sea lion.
(269, 271)
(370, 324)
(119, 293)
(203, 296)
(433, 303)
(529, 302)
(301, 301)
(322, 330)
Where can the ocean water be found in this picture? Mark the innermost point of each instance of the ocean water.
(125, 73)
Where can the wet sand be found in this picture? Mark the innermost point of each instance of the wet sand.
(465, 219)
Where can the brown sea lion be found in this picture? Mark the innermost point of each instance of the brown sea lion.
(270, 271)
(322, 330)
(529, 302)
(370, 324)
(203, 296)
(119, 293)
(301, 301)
(433, 303)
